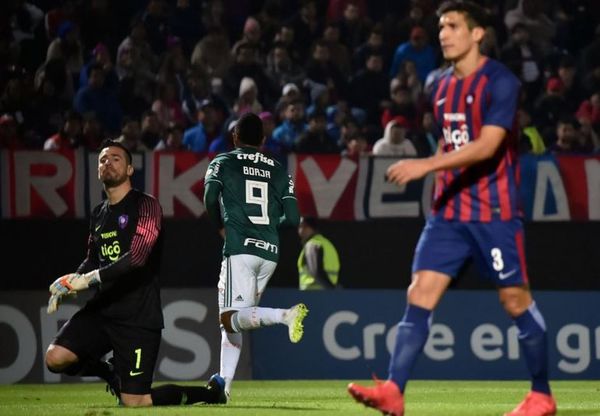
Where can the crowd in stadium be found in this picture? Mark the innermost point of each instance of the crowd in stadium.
(338, 76)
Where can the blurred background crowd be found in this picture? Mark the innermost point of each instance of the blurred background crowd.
(346, 77)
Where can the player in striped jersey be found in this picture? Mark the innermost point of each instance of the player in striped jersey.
(475, 213)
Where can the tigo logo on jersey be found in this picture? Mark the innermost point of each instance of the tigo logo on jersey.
(456, 137)
(112, 251)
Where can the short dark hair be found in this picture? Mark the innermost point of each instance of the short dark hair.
(249, 129)
(312, 222)
(475, 15)
(111, 143)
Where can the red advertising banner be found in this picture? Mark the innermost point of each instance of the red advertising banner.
(38, 184)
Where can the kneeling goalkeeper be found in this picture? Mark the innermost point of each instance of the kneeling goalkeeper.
(125, 315)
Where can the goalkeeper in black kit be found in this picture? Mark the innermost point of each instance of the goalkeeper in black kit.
(125, 314)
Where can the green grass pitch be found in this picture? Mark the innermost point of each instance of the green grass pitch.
(424, 398)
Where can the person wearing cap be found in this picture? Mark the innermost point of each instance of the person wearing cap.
(395, 141)
(418, 50)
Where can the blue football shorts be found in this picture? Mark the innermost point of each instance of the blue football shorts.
(497, 249)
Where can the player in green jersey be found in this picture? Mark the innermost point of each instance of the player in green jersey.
(248, 195)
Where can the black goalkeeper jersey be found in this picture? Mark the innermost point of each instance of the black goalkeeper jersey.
(124, 244)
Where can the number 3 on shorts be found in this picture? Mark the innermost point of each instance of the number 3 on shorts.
(497, 262)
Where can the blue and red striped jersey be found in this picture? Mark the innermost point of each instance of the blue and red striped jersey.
(487, 190)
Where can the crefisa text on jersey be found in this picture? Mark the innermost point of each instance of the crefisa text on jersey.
(256, 157)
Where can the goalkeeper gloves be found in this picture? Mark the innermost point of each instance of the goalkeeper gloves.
(74, 282)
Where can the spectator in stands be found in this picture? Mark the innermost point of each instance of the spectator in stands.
(322, 70)
(589, 140)
(338, 52)
(402, 104)
(531, 14)
(280, 67)
(95, 98)
(354, 25)
(292, 126)
(251, 35)
(549, 107)
(194, 137)
(131, 136)
(290, 92)
(151, 129)
(590, 109)
(174, 67)
(307, 28)
(136, 62)
(373, 45)
(418, 50)
(530, 138)
(524, 59)
(47, 111)
(167, 105)
(69, 136)
(320, 98)
(246, 65)
(567, 136)
(356, 146)
(315, 139)
(369, 88)
(185, 22)
(67, 46)
(395, 141)
(270, 146)
(224, 142)
(208, 53)
(92, 134)
(65, 11)
(318, 262)
(174, 140)
(100, 55)
(285, 35)
(247, 100)
(409, 77)
(568, 74)
(426, 137)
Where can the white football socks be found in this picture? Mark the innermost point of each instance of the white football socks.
(231, 347)
(255, 317)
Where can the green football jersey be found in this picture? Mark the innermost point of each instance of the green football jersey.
(255, 192)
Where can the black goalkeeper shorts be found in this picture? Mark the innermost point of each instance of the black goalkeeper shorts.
(135, 349)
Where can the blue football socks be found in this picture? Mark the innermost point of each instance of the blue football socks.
(532, 337)
(413, 331)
